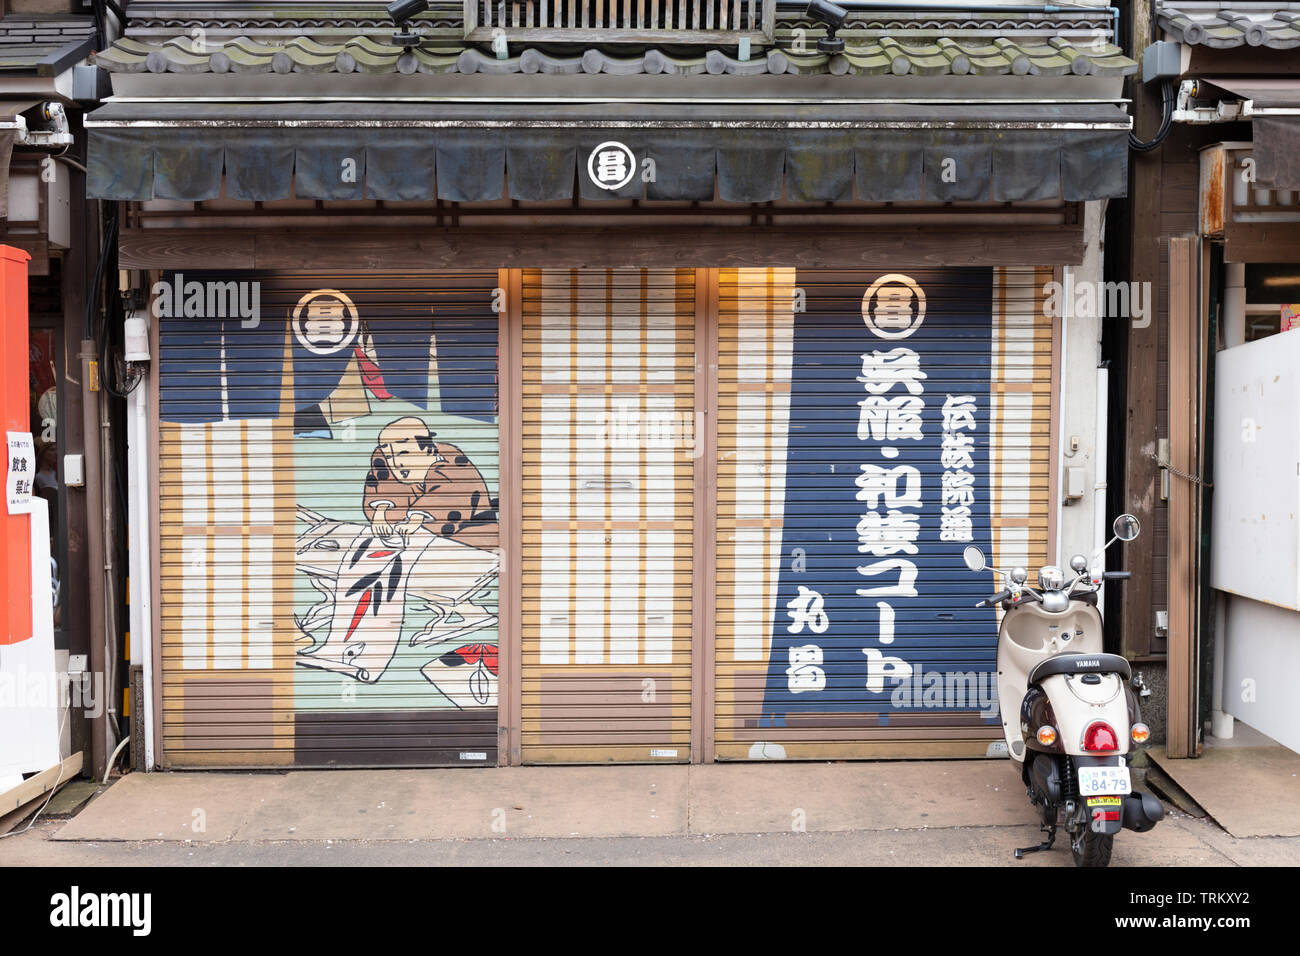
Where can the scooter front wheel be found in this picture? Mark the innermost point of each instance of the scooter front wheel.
(1093, 850)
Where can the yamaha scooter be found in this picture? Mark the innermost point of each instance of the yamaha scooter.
(1074, 732)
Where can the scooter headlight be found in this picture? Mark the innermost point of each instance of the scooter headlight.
(1051, 578)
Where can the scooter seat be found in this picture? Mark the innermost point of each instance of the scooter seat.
(1081, 664)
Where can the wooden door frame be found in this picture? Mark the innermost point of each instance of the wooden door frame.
(510, 344)
(1185, 337)
(704, 515)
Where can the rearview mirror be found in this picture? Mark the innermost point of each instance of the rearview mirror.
(974, 558)
(1127, 527)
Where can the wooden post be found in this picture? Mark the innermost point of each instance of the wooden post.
(510, 508)
(1184, 335)
(15, 530)
(1141, 485)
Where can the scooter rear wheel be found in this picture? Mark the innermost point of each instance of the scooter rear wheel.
(1094, 849)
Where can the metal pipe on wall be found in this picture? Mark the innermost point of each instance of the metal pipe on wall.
(1234, 304)
(89, 356)
(1221, 724)
(142, 566)
(1066, 311)
(1099, 536)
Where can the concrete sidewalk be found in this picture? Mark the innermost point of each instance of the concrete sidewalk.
(920, 813)
(609, 801)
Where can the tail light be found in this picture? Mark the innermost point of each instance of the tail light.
(1141, 732)
(1046, 735)
(1100, 737)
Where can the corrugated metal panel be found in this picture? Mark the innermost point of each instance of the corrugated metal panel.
(608, 386)
(328, 479)
(862, 443)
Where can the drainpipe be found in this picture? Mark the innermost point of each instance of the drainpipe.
(138, 462)
(1234, 333)
(1221, 724)
(1067, 310)
(1099, 536)
(1234, 303)
(89, 356)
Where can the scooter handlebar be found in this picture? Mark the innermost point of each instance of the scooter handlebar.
(995, 599)
(1117, 575)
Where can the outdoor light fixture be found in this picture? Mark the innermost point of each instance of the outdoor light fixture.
(823, 11)
(401, 12)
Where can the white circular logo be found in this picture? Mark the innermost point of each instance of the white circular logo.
(888, 307)
(325, 321)
(611, 165)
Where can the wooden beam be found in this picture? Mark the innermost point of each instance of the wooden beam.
(433, 248)
(1262, 242)
(1140, 492)
(33, 788)
(1184, 334)
(36, 247)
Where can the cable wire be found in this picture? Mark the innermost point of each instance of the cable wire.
(1167, 101)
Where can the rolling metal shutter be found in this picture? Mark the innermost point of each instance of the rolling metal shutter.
(608, 387)
(864, 439)
(328, 483)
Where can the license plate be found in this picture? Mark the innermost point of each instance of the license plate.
(1104, 781)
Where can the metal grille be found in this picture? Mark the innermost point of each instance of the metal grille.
(613, 20)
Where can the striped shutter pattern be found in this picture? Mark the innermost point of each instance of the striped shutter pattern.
(227, 552)
(755, 368)
(607, 531)
(1021, 400)
(755, 335)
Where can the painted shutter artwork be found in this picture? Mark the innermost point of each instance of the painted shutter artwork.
(863, 441)
(328, 483)
(608, 474)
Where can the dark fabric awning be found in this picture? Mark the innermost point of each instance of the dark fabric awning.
(1275, 127)
(748, 150)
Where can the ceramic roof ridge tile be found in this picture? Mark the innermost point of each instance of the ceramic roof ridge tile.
(314, 47)
(475, 61)
(719, 63)
(173, 57)
(958, 61)
(658, 62)
(596, 61)
(1220, 26)
(803, 64)
(536, 61)
(874, 62)
(1053, 56)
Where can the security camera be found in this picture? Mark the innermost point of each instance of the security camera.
(823, 11)
(401, 12)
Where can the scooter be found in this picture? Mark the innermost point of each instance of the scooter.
(1078, 720)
